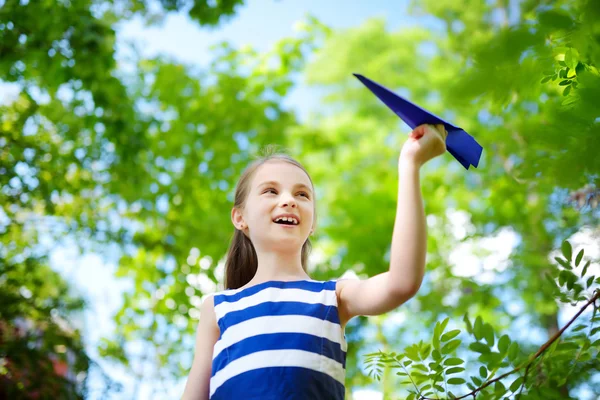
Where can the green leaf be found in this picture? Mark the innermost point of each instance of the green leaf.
(491, 359)
(454, 370)
(499, 388)
(439, 388)
(562, 73)
(436, 367)
(476, 381)
(425, 351)
(562, 277)
(412, 353)
(578, 258)
(570, 283)
(513, 351)
(436, 342)
(546, 79)
(479, 347)
(451, 346)
(571, 58)
(418, 377)
(450, 335)
(585, 268)
(444, 324)
(516, 384)
(566, 91)
(488, 333)
(563, 262)
(565, 82)
(436, 355)
(469, 327)
(589, 282)
(453, 361)
(456, 381)
(503, 344)
(483, 372)
(567, 250)
(478, 329)
(436, 336)
(421, 367)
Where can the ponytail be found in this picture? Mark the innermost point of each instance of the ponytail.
(242, 262)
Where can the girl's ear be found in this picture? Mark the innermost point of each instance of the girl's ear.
(237, 219)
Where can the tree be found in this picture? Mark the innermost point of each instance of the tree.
(490, 77)
(69, 146)
(148, 160)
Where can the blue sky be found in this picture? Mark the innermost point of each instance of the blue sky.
(261, 24)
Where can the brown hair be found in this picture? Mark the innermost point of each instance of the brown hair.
(242, 262)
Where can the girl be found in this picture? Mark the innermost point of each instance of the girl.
(274, 333)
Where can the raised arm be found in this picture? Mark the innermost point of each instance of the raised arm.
(197, 386)
(388, 290)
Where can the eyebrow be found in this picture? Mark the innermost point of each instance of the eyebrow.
(302, 185)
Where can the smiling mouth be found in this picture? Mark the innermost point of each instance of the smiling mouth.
(286, 225)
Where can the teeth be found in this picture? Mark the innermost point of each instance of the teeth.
(287, 220)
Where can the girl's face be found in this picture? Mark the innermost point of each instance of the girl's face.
(277, 188)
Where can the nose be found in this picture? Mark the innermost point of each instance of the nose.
(287, 200)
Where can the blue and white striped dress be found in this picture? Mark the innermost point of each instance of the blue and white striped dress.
(279, 340)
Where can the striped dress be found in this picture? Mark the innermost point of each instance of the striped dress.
(279, 340)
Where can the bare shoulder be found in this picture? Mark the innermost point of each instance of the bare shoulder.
(208, 317)
(342, 283)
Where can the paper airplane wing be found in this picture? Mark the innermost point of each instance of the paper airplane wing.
(459, 143)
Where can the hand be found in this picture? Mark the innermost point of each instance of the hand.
(424, 143)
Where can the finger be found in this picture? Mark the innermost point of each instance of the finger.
(418, 132)
(442, 130)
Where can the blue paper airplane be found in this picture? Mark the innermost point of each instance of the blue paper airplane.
(459, 143)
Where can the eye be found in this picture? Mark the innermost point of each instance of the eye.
(270, 190)
(305, 194)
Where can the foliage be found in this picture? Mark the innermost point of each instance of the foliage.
(502, 370)
(482, 70)
(41, 354)
(147, 160)
(205, 12)
(63, 154)
(91, 153)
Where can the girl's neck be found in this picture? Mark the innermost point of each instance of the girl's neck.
(274, 266)
(258, 278)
